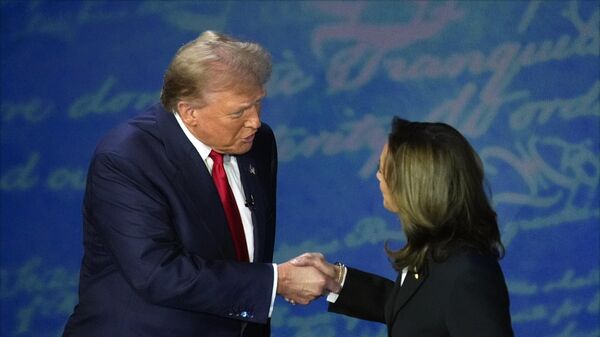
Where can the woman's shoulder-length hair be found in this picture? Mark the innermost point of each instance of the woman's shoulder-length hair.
(437, 183)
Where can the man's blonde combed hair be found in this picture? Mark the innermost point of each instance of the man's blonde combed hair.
(213, 62)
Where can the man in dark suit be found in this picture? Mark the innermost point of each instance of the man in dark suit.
(179, 209)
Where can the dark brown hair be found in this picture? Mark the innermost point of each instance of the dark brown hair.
(436, 181)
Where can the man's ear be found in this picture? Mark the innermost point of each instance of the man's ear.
(187, 113)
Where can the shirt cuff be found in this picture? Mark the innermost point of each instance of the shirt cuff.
(274, 293)
(332, 297)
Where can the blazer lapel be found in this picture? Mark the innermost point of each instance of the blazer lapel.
(402, 294)
(254, 200)
(195, 183)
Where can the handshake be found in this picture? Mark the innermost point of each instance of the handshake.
(307, 277)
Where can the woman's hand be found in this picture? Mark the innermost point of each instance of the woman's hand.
(318, 261)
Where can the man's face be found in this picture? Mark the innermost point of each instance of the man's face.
(229, 121)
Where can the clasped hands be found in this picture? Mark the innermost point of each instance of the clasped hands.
(307, 277)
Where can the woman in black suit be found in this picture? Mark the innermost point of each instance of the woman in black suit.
(449, 280)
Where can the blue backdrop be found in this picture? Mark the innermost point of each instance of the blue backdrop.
(519, 79)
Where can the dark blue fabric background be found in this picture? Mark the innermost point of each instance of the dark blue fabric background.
(519, 79)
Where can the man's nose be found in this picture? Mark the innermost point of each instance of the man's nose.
(253, 120)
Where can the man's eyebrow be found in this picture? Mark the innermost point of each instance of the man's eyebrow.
(247, 105)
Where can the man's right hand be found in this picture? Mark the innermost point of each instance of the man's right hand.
(303, 284)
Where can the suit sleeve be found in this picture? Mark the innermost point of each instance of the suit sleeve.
(479, 302)
(364, 296)
(131, 219)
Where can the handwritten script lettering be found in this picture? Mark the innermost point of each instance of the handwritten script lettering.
(21, 177)
(25, 176)
(106, 101)
(49, 292)
(288, 78)
(33, 110)
(369, 133)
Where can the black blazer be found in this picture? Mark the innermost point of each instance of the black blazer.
(464, 296)
(158, 256)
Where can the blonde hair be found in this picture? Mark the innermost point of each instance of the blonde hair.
(213, 62)
(437, 183)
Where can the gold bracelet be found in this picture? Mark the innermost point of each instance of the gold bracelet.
(340, 272)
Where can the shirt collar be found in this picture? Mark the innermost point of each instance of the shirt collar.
(203, 149)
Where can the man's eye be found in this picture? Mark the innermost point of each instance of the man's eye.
(237, 113)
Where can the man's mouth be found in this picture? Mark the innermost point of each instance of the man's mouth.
(249, 139)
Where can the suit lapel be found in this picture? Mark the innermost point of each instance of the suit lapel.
(402, 294)
(195, 183)
(254, 200)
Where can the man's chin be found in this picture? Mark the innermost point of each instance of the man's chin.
(242, 148)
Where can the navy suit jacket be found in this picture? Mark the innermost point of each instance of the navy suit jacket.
(464, 296)
(158, 256)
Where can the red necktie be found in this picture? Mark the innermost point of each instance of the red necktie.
(231, 211)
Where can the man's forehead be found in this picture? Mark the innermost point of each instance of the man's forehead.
(249, 97)
(237, 96)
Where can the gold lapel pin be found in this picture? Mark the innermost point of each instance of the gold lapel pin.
(416, 276)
